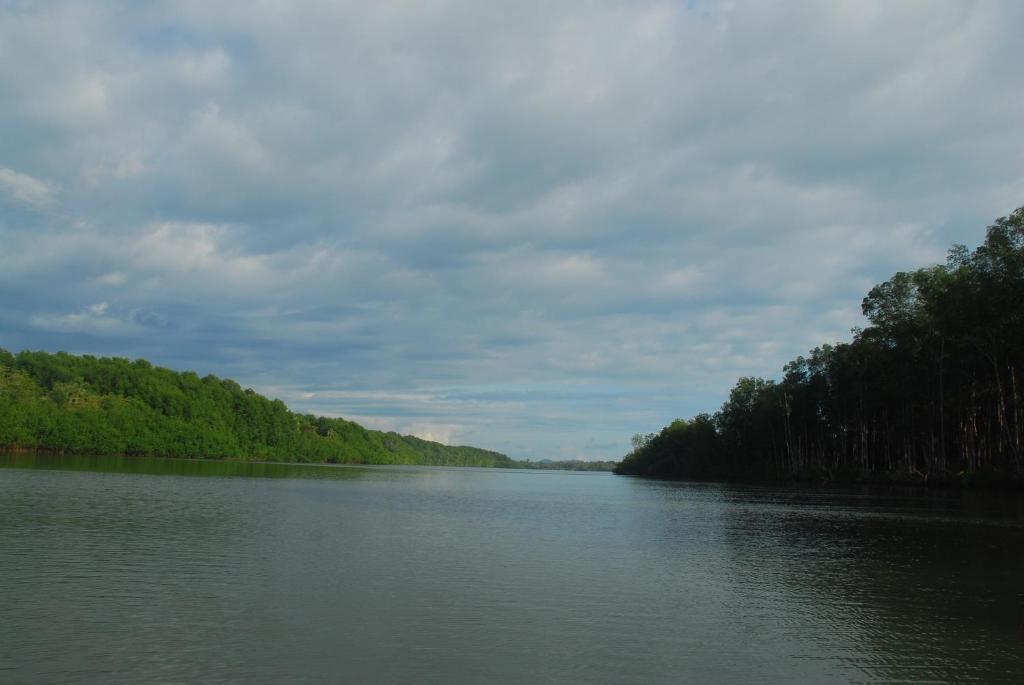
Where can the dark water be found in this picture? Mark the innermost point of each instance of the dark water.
(120, 571)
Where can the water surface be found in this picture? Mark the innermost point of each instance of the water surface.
(131, 570)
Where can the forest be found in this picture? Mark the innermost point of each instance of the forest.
(928, 392)
(95, 405)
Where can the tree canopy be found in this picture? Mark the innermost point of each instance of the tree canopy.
(67, 403)
(930, 390)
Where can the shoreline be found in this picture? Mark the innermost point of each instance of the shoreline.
(977, 483)
(49, 452)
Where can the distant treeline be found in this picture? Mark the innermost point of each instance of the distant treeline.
(567, 465)
(930, 391)
(93, 405)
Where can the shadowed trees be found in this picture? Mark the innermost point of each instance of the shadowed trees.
(930, 390)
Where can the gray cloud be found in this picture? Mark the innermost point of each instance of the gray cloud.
(529, 227)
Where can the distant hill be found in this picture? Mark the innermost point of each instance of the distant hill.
(84, 404)
(566, 465)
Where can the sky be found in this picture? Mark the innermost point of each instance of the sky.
(533, 227)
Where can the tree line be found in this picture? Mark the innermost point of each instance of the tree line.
(95, 405)
(929, 391)
(566, 465)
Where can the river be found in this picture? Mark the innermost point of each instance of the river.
(119, 570)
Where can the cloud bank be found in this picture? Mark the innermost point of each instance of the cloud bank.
(530, 227)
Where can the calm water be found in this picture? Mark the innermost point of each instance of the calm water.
(115, 570)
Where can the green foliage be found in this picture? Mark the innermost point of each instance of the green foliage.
(86, 404)
(690, 447)
(932, 390)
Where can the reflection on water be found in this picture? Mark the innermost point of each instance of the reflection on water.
(128, 570)
(178, 467)
(920, 586)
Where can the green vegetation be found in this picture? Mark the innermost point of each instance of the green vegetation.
(89, 405)
(931, 391)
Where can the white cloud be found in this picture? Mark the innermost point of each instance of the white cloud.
(205, 69)
(114, 279)
(26, 190)
(93, 320)
(129, 165)
(445, 433)
(204, 251)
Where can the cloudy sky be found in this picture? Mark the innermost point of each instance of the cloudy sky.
(529, 226)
